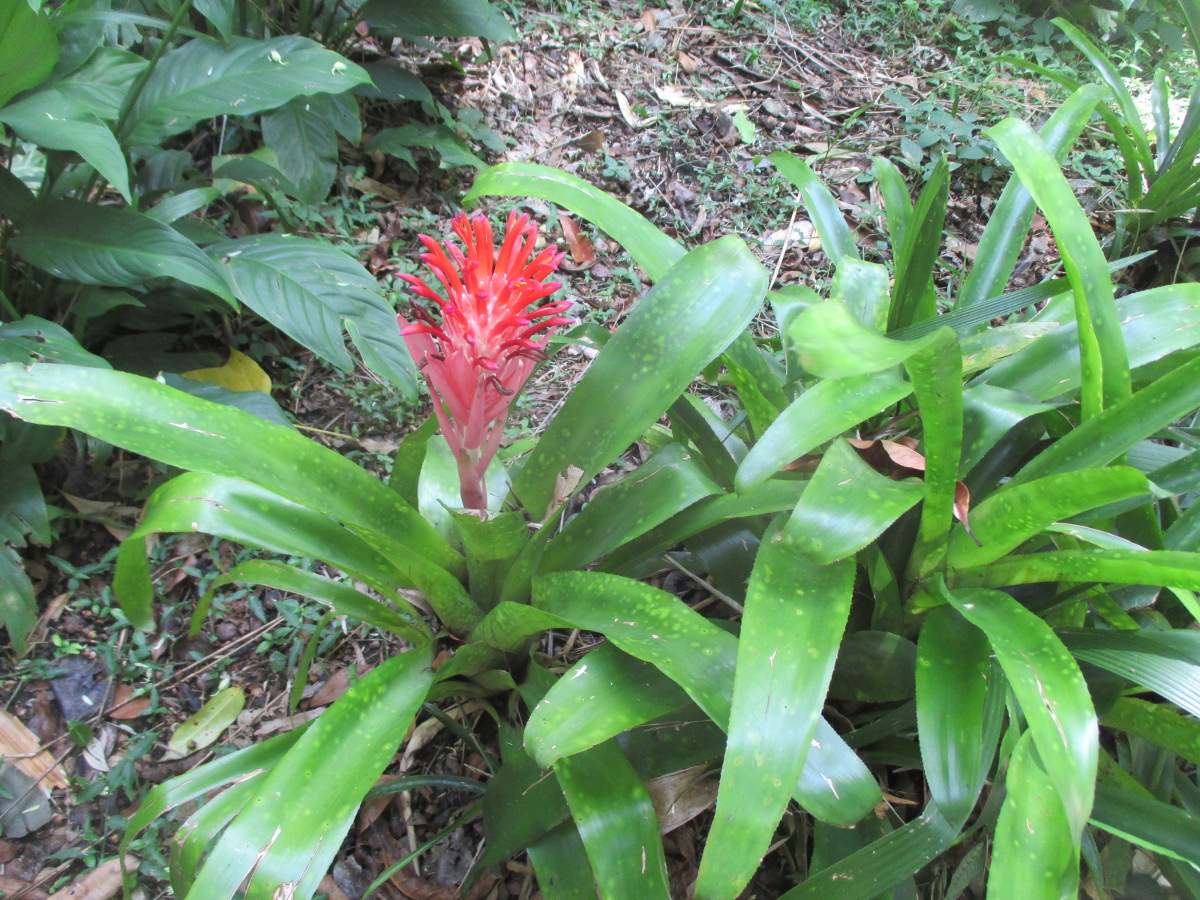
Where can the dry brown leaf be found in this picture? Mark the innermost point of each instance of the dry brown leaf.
(688, 63)
(329, 886)
(632, 119)
(336, 685)
(102, 883)
(592, 142)
(125, 705)
(565, 484)
(681, 796)
(649, 21)
(962, 509)
(19, 746)
(119, 521)
(10, 886)
(287, 723)
(891, 458)
(583, 256)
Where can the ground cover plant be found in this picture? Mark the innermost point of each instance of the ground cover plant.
(939, 549)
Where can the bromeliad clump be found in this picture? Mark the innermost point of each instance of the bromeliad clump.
(480, 349)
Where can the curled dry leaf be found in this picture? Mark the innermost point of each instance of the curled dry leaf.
(962, 508)
(583, 255)
(125, 705)
(891, 458)
(686, 62)
(102, 883)
(681, 796)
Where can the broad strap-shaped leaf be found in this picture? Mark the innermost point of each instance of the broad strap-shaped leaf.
(1004, 235)
(1052, 693)
(863, 287)
(146, 417)
(650, 248)
(1034, 854)
(204, 79)
(560, 861)
(665, 484)
(1159, 723)
(1010, 517)
(96, 244)
(1103, 360)
(684, 322)
(847, 505)
(914, 258)
(823, 412)
(1167, 662)
(836, 238)
(959, 710)
(290, 831)
(51, 120)
(309, 290)
(1138, 817)
(795, 614)
(616, 821)
(1155, 323)
(18, 604)
(28, 47)
(1116, 429)
(1169, 568)
(867, 873)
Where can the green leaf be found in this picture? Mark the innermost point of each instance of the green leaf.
(1104, 365)
(1106, 436)
(847, 505)
(342, 599)
(1148, 822)
(867, 873)
(874, 667)
(796, 611)
(1167, 663)
(28, 47)
(289, 832)
(560, 861)
(439, 18)
(715, 290)
(836, 238)
(863, 287)
(1004, 235)
(1014, 515)
(18, 605)
(833, 344)
(96, 244)
(1033, 854)
(1169, 568)
(605, 693)
(303, 136)
(896, 203)
(1158, 723)
(666, 483)
(310, 289)
(452, 150)
(204, 79)
(959, 710)
(916, 255)
(650, 248)
(1154, 323)
(616, 820)
(157, 421)
(203, 729)
(821, 413)
(1052, 693)
(50, 120)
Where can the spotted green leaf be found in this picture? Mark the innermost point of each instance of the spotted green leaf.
(836, 237)
(203, 729)
(716, 290)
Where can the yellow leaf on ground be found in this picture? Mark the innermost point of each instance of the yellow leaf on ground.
(240, 373)
(19, 746)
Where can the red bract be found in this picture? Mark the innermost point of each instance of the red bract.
(481, 347)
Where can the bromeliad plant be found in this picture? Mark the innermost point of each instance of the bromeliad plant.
(877, 636)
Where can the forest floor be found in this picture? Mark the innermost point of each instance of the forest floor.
(673, 110)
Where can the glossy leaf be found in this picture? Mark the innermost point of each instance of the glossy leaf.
(1052, 693)
(716, 290)
(874, 667)
(958, 713)
(96, 244)
(821, 413)
(916, 256)
(1169, 568)
(1158, 723)
(836, 238)
(52, 121)
(1106, 436)
(309, 290)
(303, 136)
(290, 831)
(149, 418)
(650, 248)
(847, 505)
(616, 821)
(204, 79)
(1165, 662)
(1148, 822)
(203, 729)
(1012, 516)
(560, 861)
(1103, 361)
(795, 614)
(867, 873)
(28, 47)
(1033, 854)
(1004, 235)
(665, 484)
(863, 287)
(833, 344)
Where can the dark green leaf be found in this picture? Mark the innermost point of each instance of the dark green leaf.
(439, 18)
(28, 47)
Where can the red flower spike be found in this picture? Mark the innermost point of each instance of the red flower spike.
(481, 350)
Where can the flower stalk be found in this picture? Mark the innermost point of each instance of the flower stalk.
(478, 341)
